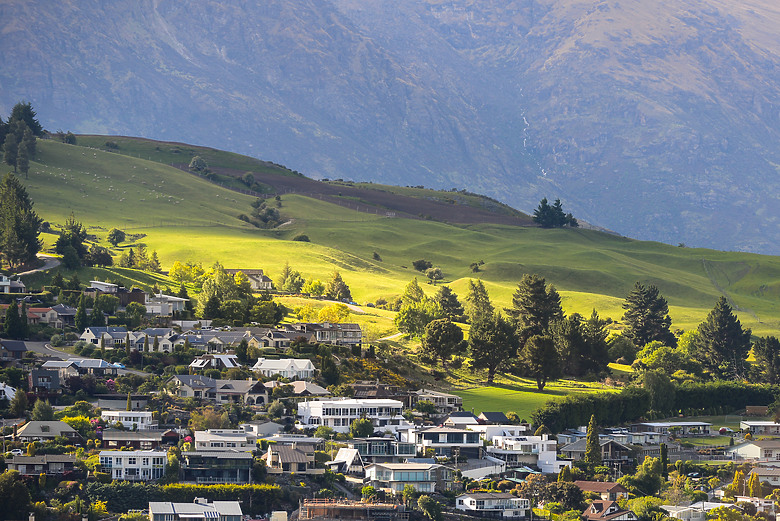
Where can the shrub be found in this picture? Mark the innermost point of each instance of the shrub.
(301, 238)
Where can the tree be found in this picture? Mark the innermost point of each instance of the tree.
(434, 274)
(15, 326)
(647, 480)
(767, 353)
(449, 304)
(492, 342)
(19, 224)
(409, 494)
(29, 143)
(661, 390)
(116, 236)
(429, 507)
(422, 265)
(413, 317)
(136, 312)
(565, 475)
(198, 164)
(361, 428)
(478, 306)
(541, 359)
(592, 445)
(595, 334)
(738, 483)
(74, 234)
(11, 149)
(81, 319)
(16, 497)
(335, 313)
(18, 404)
(647, 316)
(754, 486)
(722, 345)
(42, 411)
(535, 305)
(413, 293)
(24, 112)
(337, 289)
(442, 339)
(553, 216)
(23, 159)
(314, 287)
(97, 256)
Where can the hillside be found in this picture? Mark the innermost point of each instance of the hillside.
(185, 217)
(656, 119)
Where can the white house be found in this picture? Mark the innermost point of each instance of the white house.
(445, 403)
(762, 428)
(424, 477)
(200, 510)
(292, 368)
(6, 392)
(694, 512)
(224, 440)
(759, 450)
(112, 336)
(770, 475)
(523, 450)
(764, 505)
(494, 504)
(134, 420)
(11, 286)
(681, 428)
(339, 413)
(445, 441)
(134, 465)
(161, 304)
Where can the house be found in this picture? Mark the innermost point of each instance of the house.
(767, 506)
(343, 334)
(6, 392)
(49, 464)
(695, 511)
(347, 461)
(382, 450)
(376, 389)
(7, 285)
(145, 340)
(215, 362)
(292, 368)
(47, 430)
(612, 452)
(679, 428)
(461, 419)
(250, 392)
(527, 450)
(144, 440)
(133, 465)
(346, 509)
(445, 403)
(200, 510)
(261, 429)
(339, 413)
(118, 401)
(290, 459)
(257, 279)
(164, 305)
(758, 450)
(445, 440)
(300, 389)
(65, 368)
(211, 467)
(43, 382)
(600, 510)
(609, 491)
(494, 504)
(488, 431)
(214, 440)
(424, 477)
(66, 315)
(43, 315)
(493, 418)
(769, 475)
(760, 428)
(135, 420)
(112, 337)
(12, 350)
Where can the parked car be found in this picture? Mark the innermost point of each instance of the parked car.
(118, 365)
(17, 452)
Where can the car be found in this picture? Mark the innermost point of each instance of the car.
(725, 430)
(17, 452)
(118, 365)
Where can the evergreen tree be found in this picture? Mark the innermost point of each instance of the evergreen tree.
(183, 294)
(211, 309)
(535, 306)
(18, 404)
(97, 318)
(337, 289)
(722, 346)
(42, 411)
(449, 304)
(81, 319)
(767, 353)
(29, 143)
(58, 281)
(413, 293)
(442, 339)
(595, 334)
(570, 345)
(19, 224)
(553, 216)
(647, 317)
(492, 342)
(74, 234)
(478, 306)
(23, 159)
(754, 486)
(11, 149)
(592, 444)
(565, 475)
(541, 359)
(664, 460)
(129, 405)
(13, 327)
(24, 112)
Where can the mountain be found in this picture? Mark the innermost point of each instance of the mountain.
(654, 118)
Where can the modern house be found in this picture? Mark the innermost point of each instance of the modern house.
(200, 510)
(212, 467)
(135, 420)
(49, 464)
(250, 392)
(292, 368)
(609, 491)
(760, 428)
(140, 440)
(214, 362)
(382, 450)
(424, 477)
(493, 418)
(47, 430)
(339, 413)
(7, 285)
(6, 392)
(612, 452)
(445, 441)
(216, 440)
(757, 450)
(494, 504)
(445, 403)
(164, 305)
(43, 382)
(527, 450)
(118, 401)
(696, 511)
(769, 475)
(679, 428)
(461, 419)
(291, 459)
(133, 465)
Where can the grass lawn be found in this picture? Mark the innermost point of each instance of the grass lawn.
(708, 441)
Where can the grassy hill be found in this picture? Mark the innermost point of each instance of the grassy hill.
(185, 217)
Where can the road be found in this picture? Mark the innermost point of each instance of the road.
(44, 348)
(49, 263)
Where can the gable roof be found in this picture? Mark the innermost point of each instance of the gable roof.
(13, 345)
(600, 510)
(46, 429)
(600, 486)
(494, 417)
(288, 454)
(580, 445)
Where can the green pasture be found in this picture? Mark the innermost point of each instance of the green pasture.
(186, 218)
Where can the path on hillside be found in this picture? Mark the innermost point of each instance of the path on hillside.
(49, 263)
(391, 337)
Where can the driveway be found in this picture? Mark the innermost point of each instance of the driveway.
(49, 263)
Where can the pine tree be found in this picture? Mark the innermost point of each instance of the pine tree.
(738, 484)
(722, 345)
(28, 141)
(535, 305)
(478, 306)
(19, 224)
(449, 304)
(337, 289)
(12, 327)
(23, 159)
(541, 359)
(42, 411)
(81, 319)
(592, 444)
(23, 112)
(11, 149)
(664, 460)
(18, 404)
(441, 340)
(754, 486)
(647, 317)
(565, 475)
(129, 405)
(767, 353)
(492, 342)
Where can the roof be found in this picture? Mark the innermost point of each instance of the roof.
(201, 510)
(196, 381)
(676, 424)
(13, 345)
(489, 495)
(763, 444)
(461, 414)
(766, 471)
(219, 454)
(288, 454)
(42, 460)
(580, 445)
(406, 466)
(598, 509)
(308, 389)
(46, 429)
(145, 434)
(445, 429)
(283, 364)
(494, 417)
(599, 486)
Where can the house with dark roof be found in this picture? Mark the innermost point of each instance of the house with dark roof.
(494, 504)
(608, 490)
(461, 419)
(143, 440)
(211, 467)
(250, 392)
(612, 452)
(47, 430)
(66, 315)
(12, 350)
(49, 464)
(288, 459)
(43, 382)
(493, 418)
(200, 510)
(112, 336)
(601, 510)
(8, 285)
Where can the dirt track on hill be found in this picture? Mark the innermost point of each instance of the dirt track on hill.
(376, 201)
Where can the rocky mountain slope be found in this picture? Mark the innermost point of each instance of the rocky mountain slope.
(657, 119)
